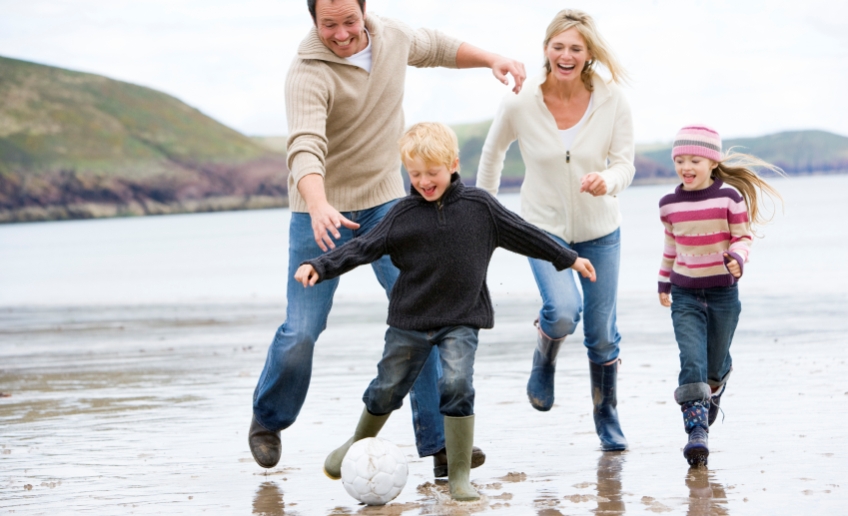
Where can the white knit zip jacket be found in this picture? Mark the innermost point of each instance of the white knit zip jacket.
(550, 194)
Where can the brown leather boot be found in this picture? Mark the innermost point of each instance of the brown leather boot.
(440, 461)
(264, 444)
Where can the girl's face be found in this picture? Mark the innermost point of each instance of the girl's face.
(567, 54)
(694, 171)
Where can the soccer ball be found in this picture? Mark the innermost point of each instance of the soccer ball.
(374, 471)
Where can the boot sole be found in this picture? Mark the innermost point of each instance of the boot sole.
(697, 456)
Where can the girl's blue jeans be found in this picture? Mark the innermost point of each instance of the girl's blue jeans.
(704, 323)
(562, 303)
(404, 356)
(284, 381)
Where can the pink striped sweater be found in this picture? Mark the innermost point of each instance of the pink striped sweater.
(700, 226)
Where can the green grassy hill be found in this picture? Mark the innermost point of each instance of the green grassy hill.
(80, 145)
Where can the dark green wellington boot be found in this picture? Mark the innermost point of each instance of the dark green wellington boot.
(540, 386)
(440, 461)
(369, 426)
(459, 439)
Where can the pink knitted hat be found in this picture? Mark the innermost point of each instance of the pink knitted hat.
(697, 140)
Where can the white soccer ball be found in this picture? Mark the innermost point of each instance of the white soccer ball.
(374, 471)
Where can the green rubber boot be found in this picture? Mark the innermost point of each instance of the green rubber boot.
(369, 426)
(459, 439)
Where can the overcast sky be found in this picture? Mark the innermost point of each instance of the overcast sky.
(746, 67)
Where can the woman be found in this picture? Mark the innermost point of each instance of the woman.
(576, 138)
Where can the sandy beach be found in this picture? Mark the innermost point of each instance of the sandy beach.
(116, 407)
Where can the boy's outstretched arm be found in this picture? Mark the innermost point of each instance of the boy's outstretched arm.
(307, 275)
(585, 268)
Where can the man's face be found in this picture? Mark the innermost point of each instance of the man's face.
(341, 26)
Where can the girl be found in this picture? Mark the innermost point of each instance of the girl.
(707, 240)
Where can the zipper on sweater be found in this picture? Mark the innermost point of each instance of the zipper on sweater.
(439, 205)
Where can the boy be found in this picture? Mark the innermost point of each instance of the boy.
(441, 238)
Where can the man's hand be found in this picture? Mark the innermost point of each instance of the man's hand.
(326, 222)
(593, 183)
(503, 66)
(733, 267)
(665, 299)
(306, 275)
(469, 56)
(585, 268)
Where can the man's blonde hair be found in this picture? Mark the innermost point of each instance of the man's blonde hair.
(432, 142)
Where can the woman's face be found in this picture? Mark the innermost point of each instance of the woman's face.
(567, 54)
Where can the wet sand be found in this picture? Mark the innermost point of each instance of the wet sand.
(144, 410)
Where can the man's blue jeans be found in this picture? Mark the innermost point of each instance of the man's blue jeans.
(282, 386)
(404, 356)
(562, 304)
(704, 323)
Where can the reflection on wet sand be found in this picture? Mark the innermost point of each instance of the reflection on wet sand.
(706, 495)
(268, 500)
(609, 483)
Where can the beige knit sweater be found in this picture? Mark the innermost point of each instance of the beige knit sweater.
(550, 195)
(344, 123)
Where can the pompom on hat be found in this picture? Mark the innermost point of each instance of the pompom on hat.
(697, 140)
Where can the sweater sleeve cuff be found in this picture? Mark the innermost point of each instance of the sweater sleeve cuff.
(303, 164)
(565, 259)
(664, 287)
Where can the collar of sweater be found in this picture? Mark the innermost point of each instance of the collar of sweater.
(452, 192)
(600, 94)
(312, 47)
(697, 195)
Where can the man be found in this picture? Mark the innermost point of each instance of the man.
(344, 96)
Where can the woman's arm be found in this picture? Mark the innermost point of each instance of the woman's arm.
(501, 135)
(622, 150)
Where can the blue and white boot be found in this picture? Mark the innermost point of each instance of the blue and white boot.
(696, 424)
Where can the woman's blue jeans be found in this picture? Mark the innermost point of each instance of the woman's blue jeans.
(704, 322)
(404, 356)
(562, 303)
(284, 381)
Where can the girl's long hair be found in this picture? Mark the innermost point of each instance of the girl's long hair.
(739, 171)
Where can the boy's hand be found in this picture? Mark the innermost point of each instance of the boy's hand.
(665, 299)
(733, 267)
(585, 268)
(306, 275)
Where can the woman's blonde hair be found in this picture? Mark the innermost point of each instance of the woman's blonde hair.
(739, 171)
(433, 142)
(598, 48)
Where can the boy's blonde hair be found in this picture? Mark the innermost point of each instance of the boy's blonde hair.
(432, 142)
(595, 44)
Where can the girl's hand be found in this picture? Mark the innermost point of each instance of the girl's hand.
(306, 275)
(665, 299)
(733, 267)
(585, 268)
(594, 184)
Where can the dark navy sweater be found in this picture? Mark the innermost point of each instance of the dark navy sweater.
(443, 249)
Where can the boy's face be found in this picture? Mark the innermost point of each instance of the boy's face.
(429, 180)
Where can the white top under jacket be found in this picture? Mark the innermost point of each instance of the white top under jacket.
(550, 194)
